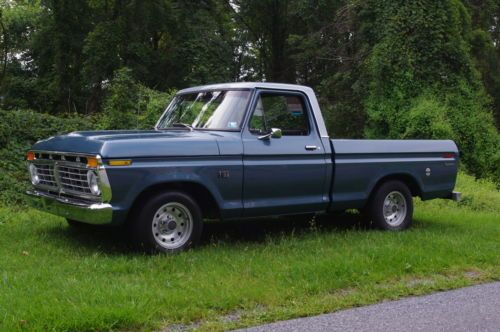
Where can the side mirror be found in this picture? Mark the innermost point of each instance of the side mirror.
(274, 133)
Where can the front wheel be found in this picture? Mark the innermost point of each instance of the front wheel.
(169, 222)
(391, 207)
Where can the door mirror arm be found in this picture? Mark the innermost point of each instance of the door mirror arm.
(274, 133)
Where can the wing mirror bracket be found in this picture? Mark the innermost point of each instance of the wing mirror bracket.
(273, 133)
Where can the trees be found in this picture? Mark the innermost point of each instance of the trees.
(421, 66)
(385, 69)
(485, 46)
(69, 50)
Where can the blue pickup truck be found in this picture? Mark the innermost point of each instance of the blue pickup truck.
(232, 151)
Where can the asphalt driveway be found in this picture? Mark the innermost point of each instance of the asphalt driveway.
(474, 308)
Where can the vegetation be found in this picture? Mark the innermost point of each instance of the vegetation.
(422, 83)
(245, 273)
(383, 69)
(19, 129)
(132, 105)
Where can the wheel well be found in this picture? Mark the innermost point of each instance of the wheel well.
(202, 196)
(405, 178)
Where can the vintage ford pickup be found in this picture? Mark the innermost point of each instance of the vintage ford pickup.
(231, 151)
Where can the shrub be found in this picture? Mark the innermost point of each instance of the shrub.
(121, 105)
(152, 104)
(421, 81)
(18, 131)
(427, 118)
(130, 105)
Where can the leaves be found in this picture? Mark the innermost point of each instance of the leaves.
(382, 69)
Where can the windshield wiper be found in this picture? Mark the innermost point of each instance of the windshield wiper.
(182, 125)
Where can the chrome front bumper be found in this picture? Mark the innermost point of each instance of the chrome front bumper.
(90, 213)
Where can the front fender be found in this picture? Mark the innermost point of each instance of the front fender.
(128, 182)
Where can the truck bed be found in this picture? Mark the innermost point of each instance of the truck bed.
(359, 165)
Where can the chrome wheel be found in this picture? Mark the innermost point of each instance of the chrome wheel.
(395, 208)
(172, 225)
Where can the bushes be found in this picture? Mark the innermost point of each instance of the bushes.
(121, 104)
(422, 82)
(131, 105)
(426, 118)
(128, 105)
(461, 118)
(18, 131)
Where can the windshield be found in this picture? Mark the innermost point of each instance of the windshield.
(223, 110)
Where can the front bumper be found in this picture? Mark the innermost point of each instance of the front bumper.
(90, 213)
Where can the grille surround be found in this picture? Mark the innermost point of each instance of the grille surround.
(64, 175)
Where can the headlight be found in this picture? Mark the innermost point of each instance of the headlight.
(93, 183)
(35, 179)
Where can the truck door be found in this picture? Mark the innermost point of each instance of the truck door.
(288, 174)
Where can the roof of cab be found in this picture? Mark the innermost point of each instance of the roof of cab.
(247, 85)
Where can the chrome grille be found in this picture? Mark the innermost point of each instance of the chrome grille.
(46, 175)
(64, 174)
(73, 179)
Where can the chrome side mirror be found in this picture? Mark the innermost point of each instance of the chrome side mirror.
(274, 133)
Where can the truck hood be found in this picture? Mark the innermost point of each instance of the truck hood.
(135, 143)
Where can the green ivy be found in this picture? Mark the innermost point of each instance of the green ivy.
(422, 82)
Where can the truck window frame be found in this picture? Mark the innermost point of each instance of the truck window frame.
(236, 130)
(305, 102)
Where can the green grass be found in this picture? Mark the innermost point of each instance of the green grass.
(245, 273)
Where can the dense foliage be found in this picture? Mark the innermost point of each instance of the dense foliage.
(132, 105)
(19, 129)
(421, 81)
(383, 69)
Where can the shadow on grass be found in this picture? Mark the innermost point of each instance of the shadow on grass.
(89, 238)
(258, 230)
(113, 240)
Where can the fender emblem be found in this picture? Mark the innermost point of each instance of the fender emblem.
(427, 171)
(223, 174)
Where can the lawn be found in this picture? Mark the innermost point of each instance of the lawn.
(53, 277)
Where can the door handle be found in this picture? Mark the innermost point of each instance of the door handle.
(311, 147)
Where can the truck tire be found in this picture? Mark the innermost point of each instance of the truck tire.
(391, 207)
(167, 223)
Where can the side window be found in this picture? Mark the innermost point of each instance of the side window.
(283, 111)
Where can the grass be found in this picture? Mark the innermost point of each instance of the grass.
(245, 273)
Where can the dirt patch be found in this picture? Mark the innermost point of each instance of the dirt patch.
(473, 274)
(343, 292)
(414, 282)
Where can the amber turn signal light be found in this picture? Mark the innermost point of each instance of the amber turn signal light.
(119, 162)
(30, 156)
(92, 162)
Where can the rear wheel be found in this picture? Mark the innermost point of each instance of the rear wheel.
(391, 208)
(169, 222)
